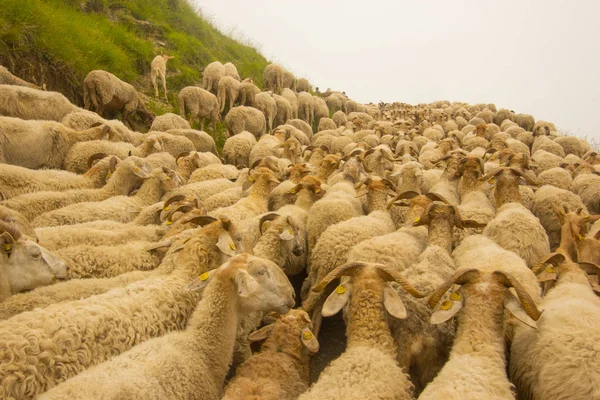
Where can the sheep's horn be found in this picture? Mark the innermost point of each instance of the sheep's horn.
(183, 154)
(201, 220)
(528, 304)
(265, 218)
(95, 157)
(555, 259)
(393, 274)
(346, 269)
(177, 197)
(459, 278)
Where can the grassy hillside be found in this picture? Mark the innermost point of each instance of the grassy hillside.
(58, 42)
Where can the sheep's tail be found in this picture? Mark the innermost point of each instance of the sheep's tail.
(221, 97)
(182, 107)
(89, 97)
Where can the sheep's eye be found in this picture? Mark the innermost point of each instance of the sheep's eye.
(262, 272)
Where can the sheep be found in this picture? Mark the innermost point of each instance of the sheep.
(158, 68)
(320, 109)
(326, 123)
(268, 106)
(340, 119)
(244, 285)
(333, 103)
(543, 128)
(545, 160)
(125, 178)
(203, 190)
(560, 346)
(231, 70)
(284, 110)
(547, 144)
(306, 107)
(20, 220)
(27, 103)
(211, 76)
(586, 186)
(200, 104)
(289, 80)
(371, 350)
(228, 90)
(559, 177)
(169, 121)
(545, 199)
(63, 331)
(214, 171)
(237, 148)
(24, 264)
(15, 181)
(273, 78)
(41, 144)
(80, 155)
(247, 92)
(243, 118)
(280, 370)
(525, 121)
(290, 96)
(117, 208)
(477, 364)
(201, 140)
(303, 85)
(302, 126)
(108, 94)
(6, 78)
(573, 145)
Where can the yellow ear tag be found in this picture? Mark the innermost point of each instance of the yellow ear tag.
(446, 305)
(169, 222)
(250, 179)
(455, 296)
(318, 191)
(292, 191)
(53, 279)
(290, 231)
(167, 208)
(7, 246)
(341, 289)
(491, 181)
(417, 219)
(136, 169)
(580, 237)
(168, 178)
(204, 276)
(232, 246)
(307, 335)
(108, 175)
(550, 269)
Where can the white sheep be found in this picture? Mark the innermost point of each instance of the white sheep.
(247, 91)
(211, 76)
(158, 69)
(237, 148)
(231, 70)
(243, 118)
(290, 96)
(6, 78)
(227, 91)
(199, 356)
(168, 121)
(200, 104)
(27, 103)
(306, 107)
(273, 76)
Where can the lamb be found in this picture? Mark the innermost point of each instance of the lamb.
(268, 106)
(158, 68)
(211, 76)
(27, 103)
(6, 78)
(280, 370)
(175, 143)
(63, 331)
(200, 104)
(244, 118)
(371, 349)
(231, 70)
(41, 144)
(169, 121)
(477, 364)
(545, 200)
(25, 265)
(200, 355)
(560, 346)
(290, 96)
(109, 94)
(126, 177)
(81, 155)
(228, 90)
(247, 92)
(273, 78)
(15, 181)
(237, 148)
(117, 208)
(306, 107)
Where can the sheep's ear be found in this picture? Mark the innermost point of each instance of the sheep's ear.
(309, 340)
(261, 334)
(226, 245)
(201, 282)
(513, 305)
(140, 173)
(393, 303)
(468, 223)
(287, 234)
(8, 243)
(336, 300)
(447, 308)
(245, 283)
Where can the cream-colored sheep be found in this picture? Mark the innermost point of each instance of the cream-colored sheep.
(6, 78)
(158, 69)
(27, 103)
(244, 118)
(200, 104)
(247, 91)
(231, 70)
(306, 107)
(227, 91)
(169, 121)
(211, 76)
(268, 106)
(290, 96)
(273, 78)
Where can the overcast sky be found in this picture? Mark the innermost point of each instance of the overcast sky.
(539, 57)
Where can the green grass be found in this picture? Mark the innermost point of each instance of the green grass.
(58, 42)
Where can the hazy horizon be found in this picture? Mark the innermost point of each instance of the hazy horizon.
(536, 57)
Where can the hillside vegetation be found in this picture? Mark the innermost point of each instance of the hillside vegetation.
(57, 42)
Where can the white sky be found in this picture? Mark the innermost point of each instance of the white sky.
(540, 57)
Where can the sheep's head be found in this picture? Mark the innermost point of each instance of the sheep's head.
(169, 178)
(287, 229)
(573, 224)
(559, 264)
(102, 164)
(288, 332)
(178, 205)
(25, 264)
(491, 288)
(260, 285)
(442, 211)
(298, 171)
(375, 278)
(311, 185)
(471, 165)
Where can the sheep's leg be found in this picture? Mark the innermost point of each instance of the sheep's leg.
(202, 123)
(153, 77)
(164, 82)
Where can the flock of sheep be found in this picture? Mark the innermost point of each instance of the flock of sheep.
(459, 240)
